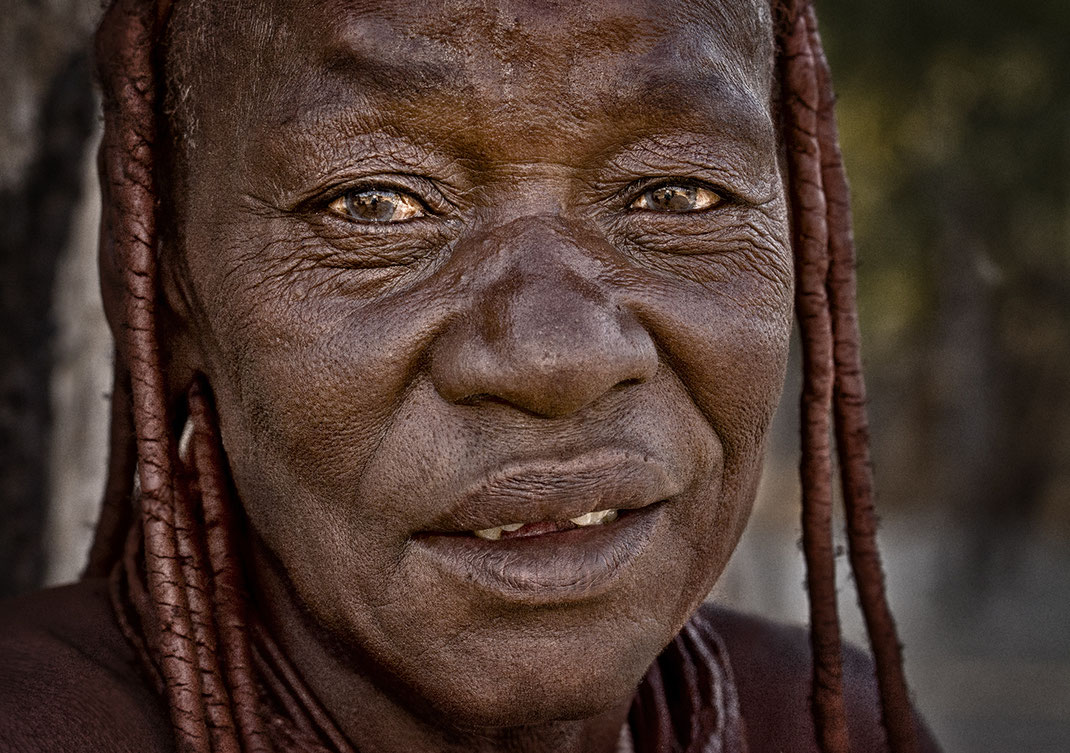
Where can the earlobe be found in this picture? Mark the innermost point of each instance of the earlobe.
(181, 360)
(180, 352)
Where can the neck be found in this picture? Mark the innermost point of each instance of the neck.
(374, 715)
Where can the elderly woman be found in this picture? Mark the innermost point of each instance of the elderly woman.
(448, 338)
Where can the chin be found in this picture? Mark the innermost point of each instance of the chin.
(530, 702)
(538, 681)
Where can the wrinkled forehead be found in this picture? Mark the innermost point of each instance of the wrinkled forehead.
(488, 44)
(286, 57)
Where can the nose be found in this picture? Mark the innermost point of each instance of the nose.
(542, 337)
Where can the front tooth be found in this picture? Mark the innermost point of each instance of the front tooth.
(584, 520)
(512, 527)
(595, 518)
(490, 534)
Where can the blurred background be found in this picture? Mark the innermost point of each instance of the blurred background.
(955, 120)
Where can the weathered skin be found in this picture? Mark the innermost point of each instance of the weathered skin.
(365, 375)
(379, 384)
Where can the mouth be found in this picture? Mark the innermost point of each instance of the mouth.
(545, 563)
(538, 497)
(542, 527)
(543, 534)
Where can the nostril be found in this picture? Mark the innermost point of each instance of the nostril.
(482, 398)
(624, 383)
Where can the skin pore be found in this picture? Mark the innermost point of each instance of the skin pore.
(469, 267)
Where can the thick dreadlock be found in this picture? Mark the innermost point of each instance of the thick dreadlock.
(169, 544)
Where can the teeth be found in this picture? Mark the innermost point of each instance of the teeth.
(493, 534)
(595, 518)
(587, 519)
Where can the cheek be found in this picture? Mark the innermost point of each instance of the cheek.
(306, 390)
(722, 321)
(310, 364)
(730, 361)
(729, 356)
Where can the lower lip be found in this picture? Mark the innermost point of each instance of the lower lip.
(579, 564)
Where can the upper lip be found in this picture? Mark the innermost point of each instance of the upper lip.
(556, 490)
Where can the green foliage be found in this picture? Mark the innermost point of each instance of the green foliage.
(955, 124)
(953, 112)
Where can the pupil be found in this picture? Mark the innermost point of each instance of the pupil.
(376, 206)
(673, 198)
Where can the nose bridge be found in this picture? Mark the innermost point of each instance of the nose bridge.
(547, 320)
(545, 334)
(552, 291)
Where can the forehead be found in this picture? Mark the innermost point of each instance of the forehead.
(457, 42)
(499, 61)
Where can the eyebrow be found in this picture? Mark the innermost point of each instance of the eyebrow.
(396, 79)
(707, 92)
(413, 67)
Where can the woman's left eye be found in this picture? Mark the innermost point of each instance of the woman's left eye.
(677, 198)
(377, 205)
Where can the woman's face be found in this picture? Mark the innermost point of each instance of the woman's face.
(461, 266)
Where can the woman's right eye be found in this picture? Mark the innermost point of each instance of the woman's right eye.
(379, 205)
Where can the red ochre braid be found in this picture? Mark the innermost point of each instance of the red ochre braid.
(852, 425)
(810, 229)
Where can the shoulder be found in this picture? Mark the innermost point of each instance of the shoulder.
(69, 681)
(771, 664)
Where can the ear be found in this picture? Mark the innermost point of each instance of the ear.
(177, 321)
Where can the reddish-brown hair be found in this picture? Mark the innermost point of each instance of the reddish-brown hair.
(167, 534)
